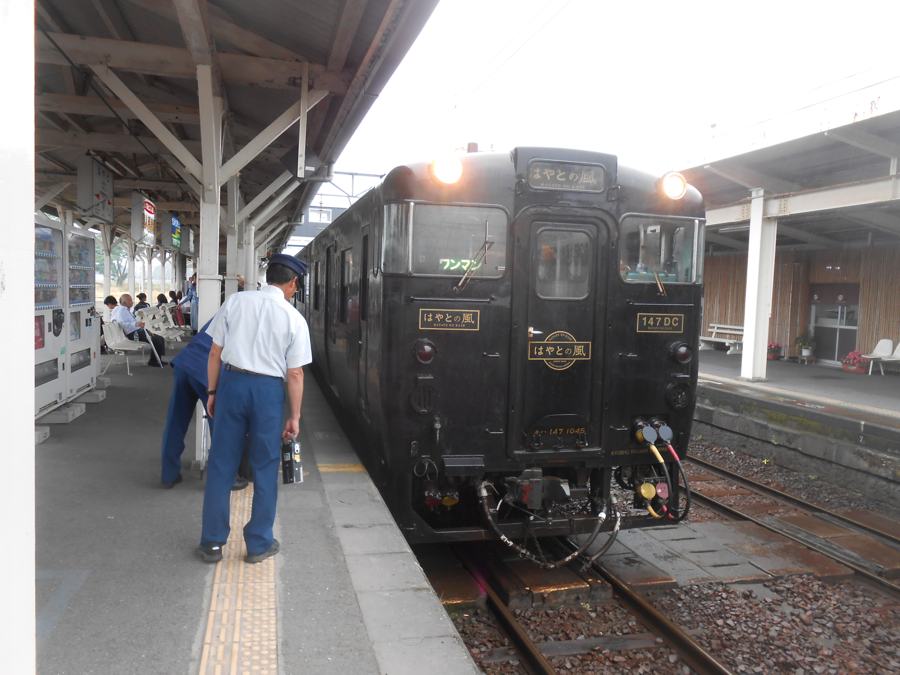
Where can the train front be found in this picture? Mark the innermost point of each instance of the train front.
(550, 309)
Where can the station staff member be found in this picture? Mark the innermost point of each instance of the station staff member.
(189, 386)
(259, 342)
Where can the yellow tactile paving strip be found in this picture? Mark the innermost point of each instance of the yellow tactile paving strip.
(341, 468)
(242, 626)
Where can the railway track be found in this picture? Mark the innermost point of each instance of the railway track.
(529, 651)
(530, 656)
(763, 489)
(823, 547)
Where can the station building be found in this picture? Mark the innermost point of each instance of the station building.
(803, 240)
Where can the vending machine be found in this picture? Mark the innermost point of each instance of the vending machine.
(49, 316)
(83, 344)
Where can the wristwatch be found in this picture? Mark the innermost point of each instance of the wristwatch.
(210, 392)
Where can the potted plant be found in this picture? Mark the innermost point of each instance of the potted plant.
(854, 363)
(773, 352)
(806, 344)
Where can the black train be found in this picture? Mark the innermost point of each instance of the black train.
(510, 332)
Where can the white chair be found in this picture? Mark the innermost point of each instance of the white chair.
(120, 345)
(893, 358)
(882, 350)
(155, 322)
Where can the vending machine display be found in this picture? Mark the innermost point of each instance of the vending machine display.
(49, 318)
(84, 326)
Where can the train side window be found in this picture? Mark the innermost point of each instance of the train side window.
(364, 280)
(346, 278)
(316, 280)
(562, 264)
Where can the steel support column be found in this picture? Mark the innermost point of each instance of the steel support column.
(107, 240)
(758, 297)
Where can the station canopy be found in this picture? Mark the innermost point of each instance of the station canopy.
(258, 53)
(837, 188)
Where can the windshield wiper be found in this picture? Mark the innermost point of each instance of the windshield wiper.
(475, 263)
(659, 284)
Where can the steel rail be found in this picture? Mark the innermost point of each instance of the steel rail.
(740, 515)
(693, 653)
(774, 492)
(530, 656)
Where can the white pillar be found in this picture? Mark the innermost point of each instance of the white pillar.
(132, 264)
(251, 269)
(231, 237)
(758, 298)
(208, 279)
(106, 240)
(17, 611)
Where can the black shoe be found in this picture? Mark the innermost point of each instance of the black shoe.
(210, 554)
(239, 484)
(168, 485)
(259, 557)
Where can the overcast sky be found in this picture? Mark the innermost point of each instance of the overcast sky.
(661, 84)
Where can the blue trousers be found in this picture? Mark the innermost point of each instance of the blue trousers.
(251, 405)
(186, 391)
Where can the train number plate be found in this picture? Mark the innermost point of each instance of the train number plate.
(660, 323)
(450, 319)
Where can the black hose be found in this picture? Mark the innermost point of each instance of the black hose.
(524, 552)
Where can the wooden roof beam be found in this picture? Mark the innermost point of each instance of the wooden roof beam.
(351, 16)
(165, 61)
(94, 105)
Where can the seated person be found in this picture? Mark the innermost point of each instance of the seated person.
(142, 302)
(188, 387)
(134, 330)
(161, 300)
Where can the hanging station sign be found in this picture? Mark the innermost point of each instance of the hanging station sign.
(143, 220)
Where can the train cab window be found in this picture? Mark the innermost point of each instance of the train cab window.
(562, 265)
(395, 239)
(346, 278)
(655, 249)
(452, 240)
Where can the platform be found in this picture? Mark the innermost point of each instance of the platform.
(811, 418)
(119, 588)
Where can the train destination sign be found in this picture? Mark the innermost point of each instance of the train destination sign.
(559, 351)
(450, 319)
(547, 175)
(660, 323)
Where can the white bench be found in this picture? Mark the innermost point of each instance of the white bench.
(732, 337)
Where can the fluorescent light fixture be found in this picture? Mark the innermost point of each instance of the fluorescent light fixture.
(734, 228)
(93, 230)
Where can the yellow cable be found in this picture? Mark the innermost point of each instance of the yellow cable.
(652, 512)
(656, 453)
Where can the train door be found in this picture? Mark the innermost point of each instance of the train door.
(558, 334)
(363, 362)
(328, 318)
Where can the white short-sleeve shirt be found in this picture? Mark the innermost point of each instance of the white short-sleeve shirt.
(261, 332)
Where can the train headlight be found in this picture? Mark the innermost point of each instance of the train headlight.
(674, 185)
(681, 353)
(425, 351)
(447, 170)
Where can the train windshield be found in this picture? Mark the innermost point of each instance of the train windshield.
(458, 240)
(656, 249)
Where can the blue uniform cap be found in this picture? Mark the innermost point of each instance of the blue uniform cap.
(288, 261)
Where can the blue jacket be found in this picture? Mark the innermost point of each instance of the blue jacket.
(193, 358)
